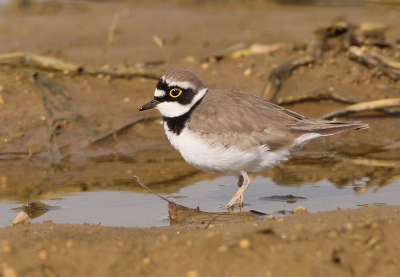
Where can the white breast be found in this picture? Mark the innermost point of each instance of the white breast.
(213, 158)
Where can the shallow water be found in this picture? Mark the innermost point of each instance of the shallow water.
(133, 209)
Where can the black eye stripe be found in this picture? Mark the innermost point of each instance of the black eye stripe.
(185, 98)
(161, 85)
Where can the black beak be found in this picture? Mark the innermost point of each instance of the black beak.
(149, 105)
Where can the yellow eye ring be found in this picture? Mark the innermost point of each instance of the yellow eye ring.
(175, 92)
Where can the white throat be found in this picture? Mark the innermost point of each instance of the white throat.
(175, 109)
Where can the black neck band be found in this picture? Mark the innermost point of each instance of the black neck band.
(176, 124)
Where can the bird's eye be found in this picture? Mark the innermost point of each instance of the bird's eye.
(175, 92)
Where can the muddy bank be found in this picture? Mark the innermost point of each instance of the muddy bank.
(361, 242)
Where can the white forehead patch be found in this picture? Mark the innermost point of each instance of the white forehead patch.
(180, 84)
(159, 93)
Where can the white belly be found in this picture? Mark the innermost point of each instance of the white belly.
(209, 157)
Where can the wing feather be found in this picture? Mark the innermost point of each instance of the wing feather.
(245, 121)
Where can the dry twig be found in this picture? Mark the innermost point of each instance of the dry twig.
(365, 106)
(389, 66)
(111, 31)
(18, 59)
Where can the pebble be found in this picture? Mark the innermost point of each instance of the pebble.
(204, 65)
(192, 273)
(9, 271)
(190, 59)
(146, 260)
(21, 218)
(270, 217)
(42, 255)
(349, 226)
(332, 234)
(299, 210)
(68, 244)
(244, 243)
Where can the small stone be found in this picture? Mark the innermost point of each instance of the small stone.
(349, 226)
(190, 59)
(247, 72)
(42, 255)
(372, 242)
(8, 271)
(222, 248)
(270, 217)
(192, 273)
(205, 65)
(21, 218)
(146, 261)
(68, 244)
(3, 180)
(332, 234)
(244, 243)
(299, 210)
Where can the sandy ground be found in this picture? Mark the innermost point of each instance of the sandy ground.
(360, 242)
(363, 242)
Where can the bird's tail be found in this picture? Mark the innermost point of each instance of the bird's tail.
(324, 127)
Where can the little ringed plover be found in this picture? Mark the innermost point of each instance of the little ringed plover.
(231, 132)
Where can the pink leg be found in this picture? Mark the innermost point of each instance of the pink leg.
(243, 183)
